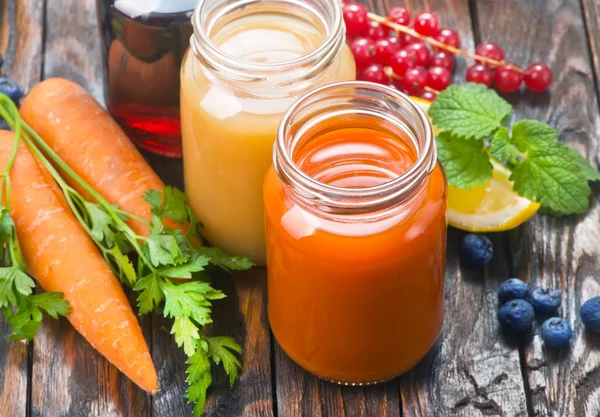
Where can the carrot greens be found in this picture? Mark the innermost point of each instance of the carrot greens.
(167, 269)
(19, 305)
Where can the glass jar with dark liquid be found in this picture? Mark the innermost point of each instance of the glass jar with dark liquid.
(144, 42)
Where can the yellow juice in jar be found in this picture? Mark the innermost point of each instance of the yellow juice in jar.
(229, 125)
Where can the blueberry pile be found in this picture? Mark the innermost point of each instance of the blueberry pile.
(520, 304)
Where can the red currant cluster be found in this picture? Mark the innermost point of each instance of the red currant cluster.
(388, 51)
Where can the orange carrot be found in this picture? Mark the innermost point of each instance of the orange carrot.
(61, 257)
(86, 137)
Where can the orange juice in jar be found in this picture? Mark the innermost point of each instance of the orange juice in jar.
(356, 234)
(249, 61)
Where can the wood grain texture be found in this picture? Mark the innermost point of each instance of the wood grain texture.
(21, 27)
(69, 377)
(557, 252)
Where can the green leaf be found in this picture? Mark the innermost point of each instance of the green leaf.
(172, 204)
(502, 148)
(151, 293)
(552, 176)
(125, 268)
(196, 264)
(590, 173)
(23, 283)
(154, 198)
(470, 111)
(529, 134)
(186, 334)
(220, 351)
(465, 162)
(224, 260)
(162, 249)
(199, 379)
(25, 322)
(52, 303)
(190, 299)
(101, 223)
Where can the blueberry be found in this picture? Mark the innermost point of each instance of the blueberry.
(590, 314)
(4, 125)
(545, 300)
(512, 289)
(11, 89)
(516, 315)
(476, 249)
(556, 332)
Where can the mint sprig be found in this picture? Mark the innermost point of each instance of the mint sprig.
(473, 121)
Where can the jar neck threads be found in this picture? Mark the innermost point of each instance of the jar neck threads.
(347, 104)
(210, 15)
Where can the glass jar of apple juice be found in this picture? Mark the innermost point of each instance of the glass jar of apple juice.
(249, 61)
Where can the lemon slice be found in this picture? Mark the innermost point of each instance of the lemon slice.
(491, 207)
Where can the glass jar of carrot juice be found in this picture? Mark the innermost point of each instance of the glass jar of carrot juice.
(249, 61)
(356, 234)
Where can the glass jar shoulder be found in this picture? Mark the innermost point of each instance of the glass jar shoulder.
(290, 223)
(223, 98)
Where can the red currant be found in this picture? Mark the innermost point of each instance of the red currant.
(426, 24)
(422, 53)
(399, 15)
(414, 80)
(447, 36)
(374, 73)
(376, 30)
(538, 77)
(507, 80)
(356, 19)
(443, 59)
(480, 74)
(406, 39)
(363, 50)
(438, 78)
(489, 50)
(385, 49)
(402, 61)
(427, 95)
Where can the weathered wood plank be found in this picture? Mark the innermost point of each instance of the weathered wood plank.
(69, 377)
(21, 27)
(560, 253)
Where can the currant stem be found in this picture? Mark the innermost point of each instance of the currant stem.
(456, 51)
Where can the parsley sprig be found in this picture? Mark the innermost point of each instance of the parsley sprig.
(168, 269)
(474, 128)
(19, 305)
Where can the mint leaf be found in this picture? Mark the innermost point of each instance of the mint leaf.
(224, 260)
(470, 111)
(590, 173)
(186, 334)
(151, 293)
(465, 162)
(199, 379)
(551, 176)
(502, 148)
(196, 264)
(220, 351)
(529, 134)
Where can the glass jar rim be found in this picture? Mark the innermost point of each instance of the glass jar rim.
(203, 47)
(336, 198)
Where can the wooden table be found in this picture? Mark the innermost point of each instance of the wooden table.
(472, 371)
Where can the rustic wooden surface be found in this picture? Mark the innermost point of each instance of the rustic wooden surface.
(472, 371)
